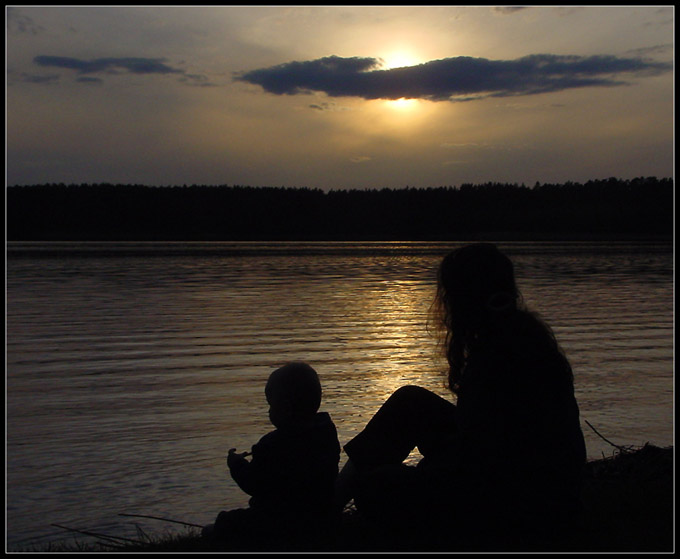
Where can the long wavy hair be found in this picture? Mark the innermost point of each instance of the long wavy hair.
(478, 302)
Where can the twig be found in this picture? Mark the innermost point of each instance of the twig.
(621, 448)
(141, 533)
(96, 535)
(161, 518)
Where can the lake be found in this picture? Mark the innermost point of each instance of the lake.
(133, 367)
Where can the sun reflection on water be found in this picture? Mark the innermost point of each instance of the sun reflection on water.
(154, 371)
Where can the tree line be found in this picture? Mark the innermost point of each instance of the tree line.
(612, 207)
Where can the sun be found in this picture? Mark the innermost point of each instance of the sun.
(402, 104)
(400, 59)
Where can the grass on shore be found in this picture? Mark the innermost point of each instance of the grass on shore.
(628, 507)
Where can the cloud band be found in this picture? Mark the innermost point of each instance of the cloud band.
(133, 65)
(459, 78)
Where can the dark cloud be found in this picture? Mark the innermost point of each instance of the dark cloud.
(132, 65)
(20, 23)
(650, 51)
(336, 76)
(458, 79)
(327, 107)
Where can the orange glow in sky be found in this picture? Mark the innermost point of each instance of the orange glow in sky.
(281, 95)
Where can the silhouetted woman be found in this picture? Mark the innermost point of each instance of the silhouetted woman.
(510, 451)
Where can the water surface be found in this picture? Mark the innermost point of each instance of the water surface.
(133, 367)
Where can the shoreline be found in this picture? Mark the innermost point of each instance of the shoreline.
(628, 507)
(18, 249)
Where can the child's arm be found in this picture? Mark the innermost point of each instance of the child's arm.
(240, 470)
(234, 457)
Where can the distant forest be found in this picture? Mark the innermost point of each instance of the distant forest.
(610, 208)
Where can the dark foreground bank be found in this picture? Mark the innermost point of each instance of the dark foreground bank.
(628, 507)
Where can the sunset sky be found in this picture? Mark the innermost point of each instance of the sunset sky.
(338, 97)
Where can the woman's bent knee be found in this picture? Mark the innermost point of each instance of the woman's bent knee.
(416, 397)
(412, 392)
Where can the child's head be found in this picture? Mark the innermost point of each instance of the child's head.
(293, 393)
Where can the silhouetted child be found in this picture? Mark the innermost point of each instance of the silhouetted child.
(291, 472)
